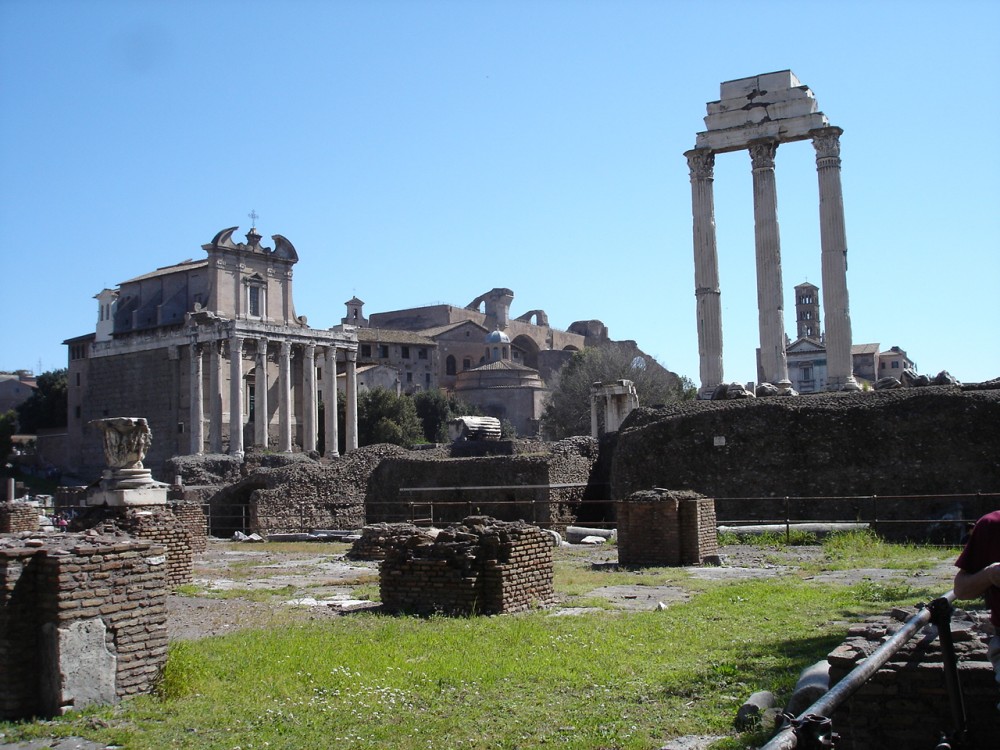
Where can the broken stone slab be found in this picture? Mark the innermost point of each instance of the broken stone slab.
(593, 540)
(239, 536)
(78, 669)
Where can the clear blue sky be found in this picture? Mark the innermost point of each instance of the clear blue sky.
(421, 152)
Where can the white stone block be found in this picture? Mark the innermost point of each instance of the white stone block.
(796, 108)
(782, 79)
(777, 81)
(734, 139)
(736, 118)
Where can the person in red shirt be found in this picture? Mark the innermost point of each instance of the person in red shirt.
(979, 575)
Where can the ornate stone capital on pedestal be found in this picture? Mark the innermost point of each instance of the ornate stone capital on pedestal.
(701, 162)
(126, 481)
(126, 441)
(762, 154)
(826, 141)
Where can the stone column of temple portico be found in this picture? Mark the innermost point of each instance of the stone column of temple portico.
(236, 396)
(770, 307)
(706, 268)
(309, 399)
(833, 239)
(351, 412)
(593, 414)
(285, 397)
(215, 394)
(260, 419)
(197, 397)
(331, 437)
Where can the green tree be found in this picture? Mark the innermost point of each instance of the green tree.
(47, 405)
(8, 428)
(384, 417)
(567, 410)
(435, 408)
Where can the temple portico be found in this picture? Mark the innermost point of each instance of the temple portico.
(758, 114)
(213, 356)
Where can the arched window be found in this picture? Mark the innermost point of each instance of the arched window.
(449, 365)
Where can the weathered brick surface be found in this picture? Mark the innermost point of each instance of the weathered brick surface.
(661, 527)
(18, 516)
(905, 703)
(60, 579)
(481, 566)
(192, 518)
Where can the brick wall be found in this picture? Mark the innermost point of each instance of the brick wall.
(73, 584)
(161, 526)
(192, 518)
(16, 517)
(664, 527)
(481, 566)
(905, 704)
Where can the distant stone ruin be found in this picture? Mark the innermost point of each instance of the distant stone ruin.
(481, 566)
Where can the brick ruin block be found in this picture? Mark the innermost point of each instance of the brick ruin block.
(481, 566)
(666, 527)
(191, 516)
(905, 703)
(18, 516)
(82, 621)
(375, 539)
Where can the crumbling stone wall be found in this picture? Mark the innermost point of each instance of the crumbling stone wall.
(660, 527)
(375, 539)
(905, 703)
(481, 566)
(938, 440)
(18, 516)
(82, 621)
(523, 486)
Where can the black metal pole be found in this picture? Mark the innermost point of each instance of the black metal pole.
(941, 610)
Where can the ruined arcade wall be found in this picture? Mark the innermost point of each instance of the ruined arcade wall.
(82, 620)
(934, 440)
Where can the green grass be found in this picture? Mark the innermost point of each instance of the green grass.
(594, 681)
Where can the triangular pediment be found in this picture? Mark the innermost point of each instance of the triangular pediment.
(805, 345)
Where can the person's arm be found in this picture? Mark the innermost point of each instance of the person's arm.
(972, 585)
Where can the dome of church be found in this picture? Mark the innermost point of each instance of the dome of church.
(497, 337)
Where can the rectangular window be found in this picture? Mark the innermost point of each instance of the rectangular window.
(383, 351)
(895, 365)
(366, 350)
(404, 352)
(421, 353)
(409, 377)
(427, 378)
(255, 301)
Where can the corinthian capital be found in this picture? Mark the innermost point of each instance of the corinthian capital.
(762, 154)
(701, 162)
(826, 141)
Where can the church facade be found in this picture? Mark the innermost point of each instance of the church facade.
(212, 354)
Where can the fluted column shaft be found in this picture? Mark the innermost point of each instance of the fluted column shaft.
(236, 396)
(331, 432)
(708, 303)
(215, 396)
(833, 240)
(351, 415)
(594, 427)
(285, 397)
(309, 399)
(260, 422)
(197, 392)
(770, 307)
